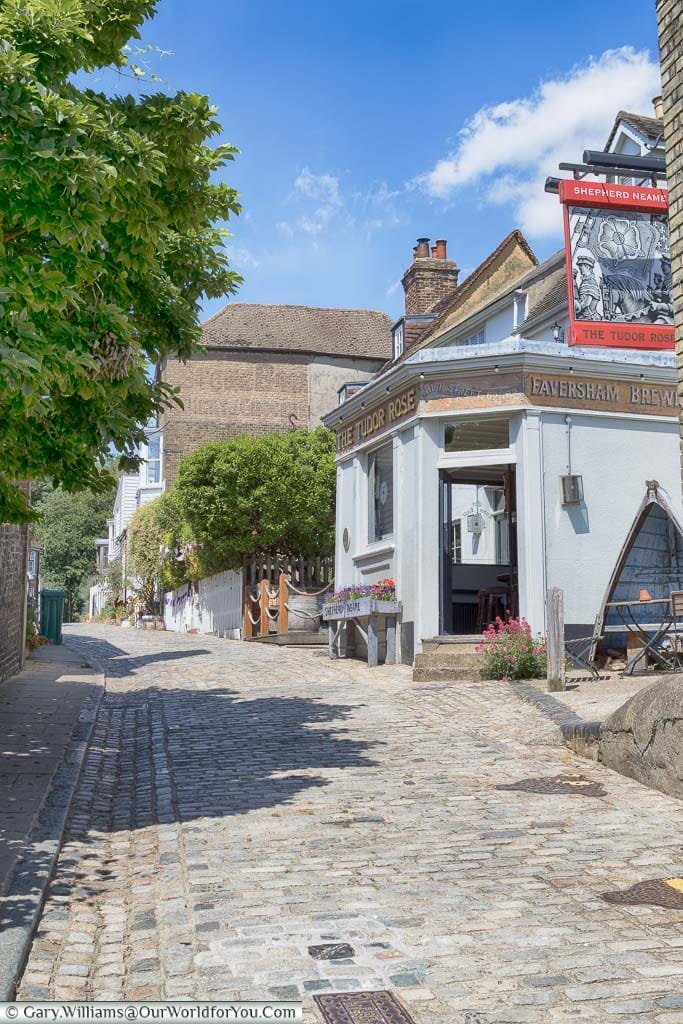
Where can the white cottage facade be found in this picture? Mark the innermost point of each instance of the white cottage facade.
(489, 460)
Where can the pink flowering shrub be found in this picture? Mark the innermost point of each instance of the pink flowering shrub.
(511, 651)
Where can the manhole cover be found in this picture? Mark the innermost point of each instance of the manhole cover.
(656, 892)
(362, 1008)
(569, 783)
(332, 951)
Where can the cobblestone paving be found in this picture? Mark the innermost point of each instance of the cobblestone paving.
(241, 803)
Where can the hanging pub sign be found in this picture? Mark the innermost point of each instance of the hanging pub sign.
(618, 265)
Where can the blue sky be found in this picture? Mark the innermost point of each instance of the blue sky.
(364, 125)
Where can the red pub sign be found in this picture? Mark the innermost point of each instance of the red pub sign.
(618, 265)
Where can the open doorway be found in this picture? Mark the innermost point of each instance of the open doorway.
(478, 548)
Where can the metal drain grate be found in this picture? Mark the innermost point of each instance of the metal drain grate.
(655, 892)
(569, 784)
(332, 951)
(362, 1008)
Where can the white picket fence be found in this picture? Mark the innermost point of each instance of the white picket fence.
(214, 605)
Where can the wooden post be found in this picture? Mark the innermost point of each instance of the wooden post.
(264, 602)
(247, 624)
(391, 640)
(556, 652)
(344, 638)
(283, 598)
(373, 640)
(331, 637)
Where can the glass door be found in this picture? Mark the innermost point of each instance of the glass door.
(478, 548)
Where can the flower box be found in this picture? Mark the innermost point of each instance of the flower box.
(359, 607)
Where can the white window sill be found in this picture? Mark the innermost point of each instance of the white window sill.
(381, 548)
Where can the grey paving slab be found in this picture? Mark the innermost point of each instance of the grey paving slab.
(240, 804)
(46, 715)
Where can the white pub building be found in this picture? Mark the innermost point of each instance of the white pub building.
(491, 459)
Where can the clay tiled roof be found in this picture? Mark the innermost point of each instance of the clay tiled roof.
(443, 308)
(547, 289)
(334, 332)
(650, 127)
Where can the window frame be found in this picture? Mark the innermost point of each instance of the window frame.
(398, 339)
(375, 535)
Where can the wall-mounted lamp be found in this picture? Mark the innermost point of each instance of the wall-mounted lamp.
(572, 489)
(558, 332)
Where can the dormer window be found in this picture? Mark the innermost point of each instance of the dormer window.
(398, 335)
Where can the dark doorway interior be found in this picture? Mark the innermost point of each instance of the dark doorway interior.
(478, 513)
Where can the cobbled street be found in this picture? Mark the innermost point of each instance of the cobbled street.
(240, 803)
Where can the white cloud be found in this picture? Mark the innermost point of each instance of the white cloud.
(393, 288)
(324, 206)
(242, 257)
(323, 187)
(523, 140)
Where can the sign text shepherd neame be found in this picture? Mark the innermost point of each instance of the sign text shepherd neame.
(618, 396)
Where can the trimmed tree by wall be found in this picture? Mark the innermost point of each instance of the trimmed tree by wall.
(250, 494)
(233, 499)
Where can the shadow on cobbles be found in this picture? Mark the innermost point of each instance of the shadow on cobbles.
(162, 754)
(174, 755)
(119, 663)
(173, 752)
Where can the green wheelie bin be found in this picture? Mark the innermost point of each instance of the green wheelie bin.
(52, 614)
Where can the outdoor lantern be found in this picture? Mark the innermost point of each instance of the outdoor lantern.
(572, 489)
(558, 332)
(475, 523)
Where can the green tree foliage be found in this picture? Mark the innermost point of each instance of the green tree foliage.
(108, 240)
(272, 493)
(69, 525)
(145, 537)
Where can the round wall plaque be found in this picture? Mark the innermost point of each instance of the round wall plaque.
(346, 540)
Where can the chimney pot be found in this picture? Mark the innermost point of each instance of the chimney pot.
(435, 255)
(422, 248)
(658, 104)
(440, 249)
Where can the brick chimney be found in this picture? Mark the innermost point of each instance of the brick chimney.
(430, 277)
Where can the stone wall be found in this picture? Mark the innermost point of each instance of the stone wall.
(670, 20)
(13, 566)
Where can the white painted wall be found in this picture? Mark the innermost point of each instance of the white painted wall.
(615, 456)
(429, 447)
(213, 606)
(125, 505)
(326, 375)
(572, 548)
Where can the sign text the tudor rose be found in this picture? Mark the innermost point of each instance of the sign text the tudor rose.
(380, 418)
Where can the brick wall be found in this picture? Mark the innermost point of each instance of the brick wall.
(13, 565)
(670, 20)
(231, 393)
(427, 281)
